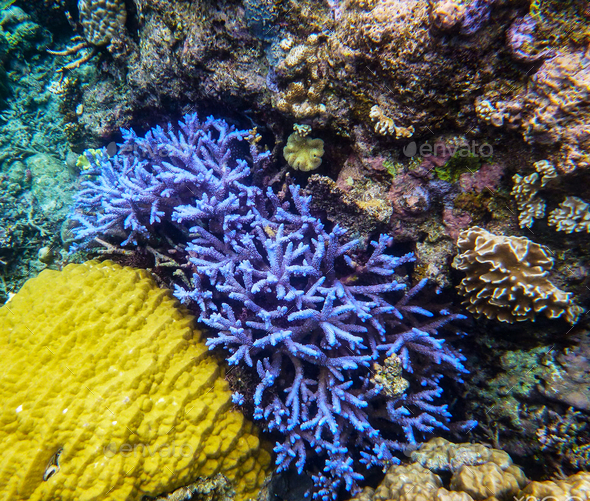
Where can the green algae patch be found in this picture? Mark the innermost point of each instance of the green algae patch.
(460, 163)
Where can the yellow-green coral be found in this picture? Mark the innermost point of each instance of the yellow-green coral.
(108, 393)
(303, 153)
(82, 161)
(390, 377)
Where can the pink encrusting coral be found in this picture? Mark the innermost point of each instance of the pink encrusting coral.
(487, 177)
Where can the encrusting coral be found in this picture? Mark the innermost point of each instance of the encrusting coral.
(481, 473)
(484, 474)
(439, 454)
(525, 191)
(103, 24)
(102, 19)
(307, 310)
(572, 215)
(108, 393)
(552, 110)
(507, 278)
(573, 487)
(307, 63)
(385, 125)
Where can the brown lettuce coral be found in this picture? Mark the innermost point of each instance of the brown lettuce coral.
(571, 215)
(507, 278)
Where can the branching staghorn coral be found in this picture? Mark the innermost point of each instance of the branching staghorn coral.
(321, 329)
(307, 310)
(155, 177)
(507, 279)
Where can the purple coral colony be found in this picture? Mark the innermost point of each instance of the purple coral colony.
(394, 250)
(309, 310)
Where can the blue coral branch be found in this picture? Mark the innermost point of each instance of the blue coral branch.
(307, 309)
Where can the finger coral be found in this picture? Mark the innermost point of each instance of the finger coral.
(109, 394)
(305, 310)
(507, 278)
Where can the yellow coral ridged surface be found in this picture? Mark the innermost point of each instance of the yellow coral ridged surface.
(108, 393)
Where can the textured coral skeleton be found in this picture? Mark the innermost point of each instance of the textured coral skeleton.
(308, 310)
(101, 21)
(507, 279)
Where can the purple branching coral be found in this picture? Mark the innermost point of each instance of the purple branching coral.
(157, 178)
(311, 313)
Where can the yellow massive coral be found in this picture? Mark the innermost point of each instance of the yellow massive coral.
(108, 393)
(507, 278)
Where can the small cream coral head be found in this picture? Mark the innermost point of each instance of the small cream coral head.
(447, 14)
(303, 153)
